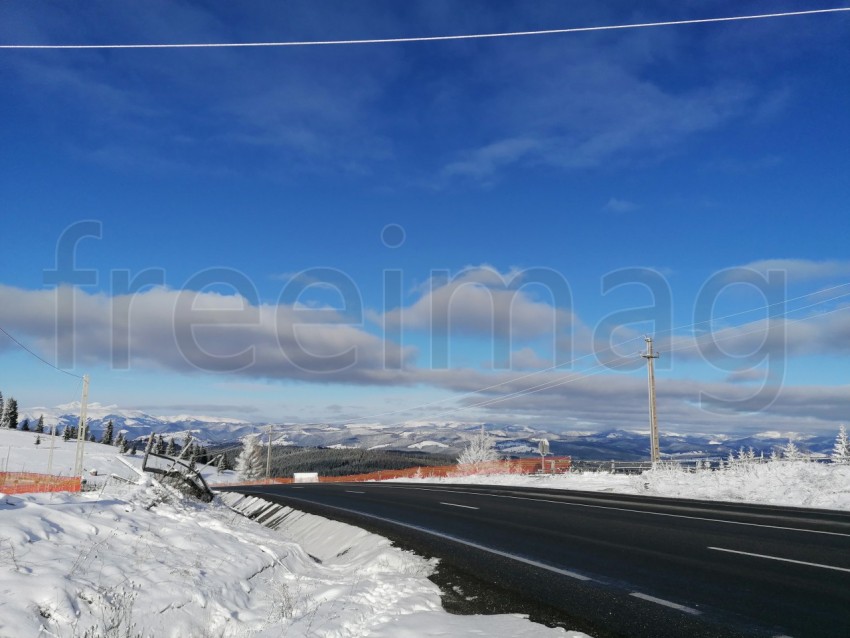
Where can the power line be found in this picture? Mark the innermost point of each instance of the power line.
(437, 38)
(44, 361)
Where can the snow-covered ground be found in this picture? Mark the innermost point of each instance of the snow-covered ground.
(137, 560)
(790, 483)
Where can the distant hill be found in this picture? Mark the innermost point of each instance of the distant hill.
(442, 438)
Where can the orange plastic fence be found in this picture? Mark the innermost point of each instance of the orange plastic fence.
(556, 464)
(27, 482)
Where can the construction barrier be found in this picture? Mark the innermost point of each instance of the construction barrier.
(29, 482)
(553, 465)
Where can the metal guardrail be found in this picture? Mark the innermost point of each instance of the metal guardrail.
(179, 475)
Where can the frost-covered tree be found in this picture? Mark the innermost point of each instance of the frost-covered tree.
(171, 450)
(108, 433)
(160, 445)
(249, 463)
(66, 435)
(25, 425)
(791, 452)
(841, 450)
(39, 426)
(120, 441)
(481, 449)
(221, 465)
(134, 449)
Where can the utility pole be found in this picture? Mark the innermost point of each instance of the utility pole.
(81, 428)
(52, 444)
(650, 357)
(269, 457)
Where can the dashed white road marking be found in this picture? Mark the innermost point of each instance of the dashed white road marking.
(784, 560)
(666, 603)
(469, 507)
(618, 509)
(354, 492)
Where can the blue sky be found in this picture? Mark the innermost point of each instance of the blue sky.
(526, 174)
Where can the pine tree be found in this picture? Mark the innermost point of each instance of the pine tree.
(125, 447)
(160, 445)
(92, 438)
(66, 435)
(791, 452)
(841, 451)
(2, 411)
(249, 463)
(120, 441)
(25, 426)
(171, 450)
(106, 439)
(39, 427)
(11, 415)
(38, 439)
(221, 466)
(134, 449)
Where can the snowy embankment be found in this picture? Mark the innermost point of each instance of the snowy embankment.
(787, 483)
(138, 560)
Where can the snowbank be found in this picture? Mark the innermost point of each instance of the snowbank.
(787, 483)
(136, 560)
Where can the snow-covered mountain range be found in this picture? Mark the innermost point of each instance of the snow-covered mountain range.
(446, 438)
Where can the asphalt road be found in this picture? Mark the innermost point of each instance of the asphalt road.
(617, 565)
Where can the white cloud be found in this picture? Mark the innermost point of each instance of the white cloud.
(188, 331)
(802, 270)
(482, 302)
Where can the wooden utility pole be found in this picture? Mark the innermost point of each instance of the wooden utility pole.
(650, 357)
(81, 428)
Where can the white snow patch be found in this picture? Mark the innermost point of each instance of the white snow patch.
(424, 444)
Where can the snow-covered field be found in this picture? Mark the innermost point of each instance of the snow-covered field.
(137, 560)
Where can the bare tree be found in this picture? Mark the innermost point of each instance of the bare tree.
(481, 449)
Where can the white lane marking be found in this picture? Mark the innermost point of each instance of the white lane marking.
(354, 492)
(666, 603)
(454, 539)
(626, 509)
(469, 507)
(784, 560)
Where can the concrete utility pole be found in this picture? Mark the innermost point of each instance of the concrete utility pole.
(653, 418)
(269, 456)
(81, 428)
(52, 445)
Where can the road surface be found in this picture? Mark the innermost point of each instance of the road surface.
(618, 565)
